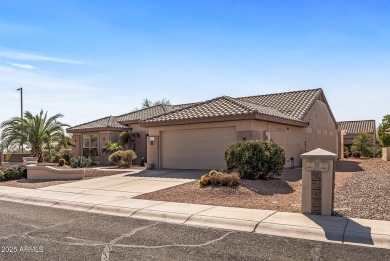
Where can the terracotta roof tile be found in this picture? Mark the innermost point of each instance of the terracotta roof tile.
(107, 122)
(296, 104)
(356, 127)
(222, 106)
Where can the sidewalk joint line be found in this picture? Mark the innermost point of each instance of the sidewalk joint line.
(345, 229)
(263, 220)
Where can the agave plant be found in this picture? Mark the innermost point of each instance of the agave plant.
(34, 131)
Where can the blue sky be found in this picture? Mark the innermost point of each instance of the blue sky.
(90, 59)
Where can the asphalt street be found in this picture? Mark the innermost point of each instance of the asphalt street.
(39, 233)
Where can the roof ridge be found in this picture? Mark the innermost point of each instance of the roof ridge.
(240, 104)
(110, 121)
(143, 109)
(355, 121)
(278, 93)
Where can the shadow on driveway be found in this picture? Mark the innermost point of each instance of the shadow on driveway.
(171, 173)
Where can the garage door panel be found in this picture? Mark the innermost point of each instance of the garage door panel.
(196, 148)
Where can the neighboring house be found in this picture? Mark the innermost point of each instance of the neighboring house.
(196, 136)
(350, 129)
(90, 137)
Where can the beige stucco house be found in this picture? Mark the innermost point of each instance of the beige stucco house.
(196, 136)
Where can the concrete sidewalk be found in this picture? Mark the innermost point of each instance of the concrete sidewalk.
(364, 232)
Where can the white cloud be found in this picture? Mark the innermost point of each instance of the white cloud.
(26, 56)
(22, 66)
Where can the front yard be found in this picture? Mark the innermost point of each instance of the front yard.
(362, 191)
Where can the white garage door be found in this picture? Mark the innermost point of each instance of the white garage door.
(196, 148)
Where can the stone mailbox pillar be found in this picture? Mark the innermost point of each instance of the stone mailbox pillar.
(318, 182)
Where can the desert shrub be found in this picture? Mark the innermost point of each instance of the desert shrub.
(128, 158)
(363, 145)
(80, 162)
(66, 155)
(123, 158)
(1, 175)
(216, 178)
(61, 162)
(12, 173)
(255, 159)
(111, 147)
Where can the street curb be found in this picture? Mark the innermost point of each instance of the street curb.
(73, 205)
(368, 240)
(41, 202)
(169, 217)
(14, 198)
(224, 223)
(110, 210)
(317, 234)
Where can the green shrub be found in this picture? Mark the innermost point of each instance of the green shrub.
(123, 158)
(66, 155)
(255, 159)
(111, 147)
(363, 145)
(128, 158)
(80, 162)
(12, 173)
(216, 178)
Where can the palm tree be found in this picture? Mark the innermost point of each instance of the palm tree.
(34, 131)
(126, 138)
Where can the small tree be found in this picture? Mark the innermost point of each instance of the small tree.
(111, 147)
(148, 103)
(363, 144)
(383, 132)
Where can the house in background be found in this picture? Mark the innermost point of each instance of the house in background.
(90, 137)
(196, 136)
(350, 129)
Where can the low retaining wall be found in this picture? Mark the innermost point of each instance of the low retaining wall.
(386, 154)
(47, 172)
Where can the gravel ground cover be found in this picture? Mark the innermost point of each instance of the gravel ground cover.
(90, 172)
(362, 190)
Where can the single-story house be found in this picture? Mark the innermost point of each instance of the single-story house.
(196, 136)
(90, 137)
(350, 129)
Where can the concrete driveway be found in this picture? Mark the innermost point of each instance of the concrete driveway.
(128, 185)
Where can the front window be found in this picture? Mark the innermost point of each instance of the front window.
(90, 145)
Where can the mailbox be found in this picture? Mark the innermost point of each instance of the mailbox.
(318, 182)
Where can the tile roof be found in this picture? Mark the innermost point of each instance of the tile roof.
(117, 121)
(356, 127)
(220, 107)
(107, 122)
(144, 113)
(295, 104)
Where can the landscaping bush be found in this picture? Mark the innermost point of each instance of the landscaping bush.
(66, 155)
(216, 178)
(111, 147)
(363, 145)
(12, 173)
(123, 158)
(80, 162)
(255, 159)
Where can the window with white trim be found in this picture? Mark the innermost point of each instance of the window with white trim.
(91, 145)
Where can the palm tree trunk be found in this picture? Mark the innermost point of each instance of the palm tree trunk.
(37, 152)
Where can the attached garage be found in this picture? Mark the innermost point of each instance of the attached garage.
(196, 148)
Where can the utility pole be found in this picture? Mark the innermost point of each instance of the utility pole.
(21, 106)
